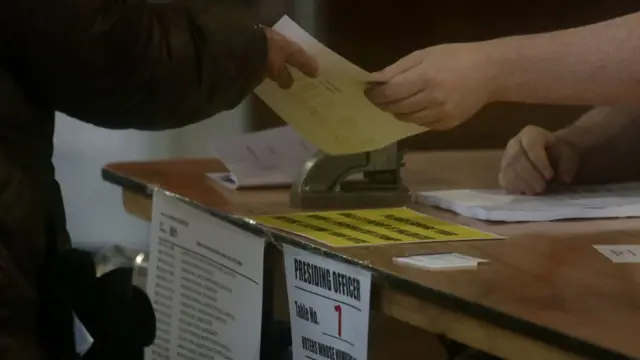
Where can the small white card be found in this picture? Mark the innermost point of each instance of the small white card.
(440, 261)
(579, 202)
(620, 253)
(329, 304)
(82, 337)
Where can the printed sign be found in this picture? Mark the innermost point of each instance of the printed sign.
(329, 304)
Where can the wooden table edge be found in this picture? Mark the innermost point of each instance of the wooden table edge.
(434, 318)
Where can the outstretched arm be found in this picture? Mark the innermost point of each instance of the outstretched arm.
(136, 63)
(597, 64)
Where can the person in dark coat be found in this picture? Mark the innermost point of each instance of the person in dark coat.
(130, 64)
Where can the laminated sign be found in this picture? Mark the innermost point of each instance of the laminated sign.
(329, 304)
(372, 227)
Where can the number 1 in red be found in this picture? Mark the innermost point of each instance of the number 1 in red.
(338, 309)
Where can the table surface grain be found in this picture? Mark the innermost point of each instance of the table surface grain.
(544, 280)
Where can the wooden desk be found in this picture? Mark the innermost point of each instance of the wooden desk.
(545, 294)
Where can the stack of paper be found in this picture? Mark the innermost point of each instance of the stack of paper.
(268, 158)
(605, 201)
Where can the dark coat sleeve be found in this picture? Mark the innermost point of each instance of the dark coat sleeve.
(136, 63)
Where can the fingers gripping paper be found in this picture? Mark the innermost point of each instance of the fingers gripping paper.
(331, 111)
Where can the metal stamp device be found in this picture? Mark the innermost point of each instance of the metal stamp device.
(355, 181)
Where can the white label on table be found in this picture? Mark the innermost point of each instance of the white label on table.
(329, 307)
(205, 282)
(440, 261)
(620, 253)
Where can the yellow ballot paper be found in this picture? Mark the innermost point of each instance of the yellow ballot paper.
(372, 227)
(331, 111)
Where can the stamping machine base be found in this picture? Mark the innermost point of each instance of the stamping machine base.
(356, 181)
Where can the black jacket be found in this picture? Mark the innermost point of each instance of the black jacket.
(116, 64)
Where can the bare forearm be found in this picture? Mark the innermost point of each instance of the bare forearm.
(597, 64)
(598, 126)
(608, 142)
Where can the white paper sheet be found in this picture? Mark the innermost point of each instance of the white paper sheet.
(606, 201)
(269, 158)
(83, 339)
(331, 111)
(205, 283)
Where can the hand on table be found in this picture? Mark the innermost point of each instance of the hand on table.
(283, 52)
(535, 157)
(438, 87)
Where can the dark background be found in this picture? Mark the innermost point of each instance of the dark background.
(375, 33)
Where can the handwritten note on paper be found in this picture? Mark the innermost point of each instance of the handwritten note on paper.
(331, 111)
(580, 202)
(268, 158)
(620, 253)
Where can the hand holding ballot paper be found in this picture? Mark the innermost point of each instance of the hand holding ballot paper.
(331, 111)
(282, 52)
(345, 110)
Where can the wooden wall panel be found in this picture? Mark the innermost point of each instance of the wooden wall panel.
(375, 33)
